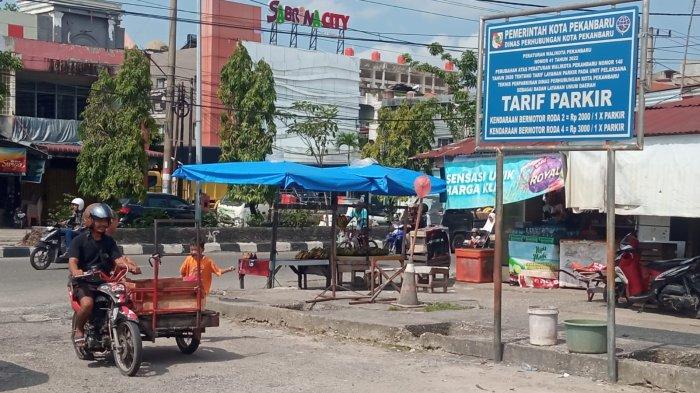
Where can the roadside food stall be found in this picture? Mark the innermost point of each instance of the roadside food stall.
(369, 178)
(533, 245)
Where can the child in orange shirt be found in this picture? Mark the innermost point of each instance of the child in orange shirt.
(188, 270)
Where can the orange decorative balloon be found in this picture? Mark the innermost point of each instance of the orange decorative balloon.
(422, 186)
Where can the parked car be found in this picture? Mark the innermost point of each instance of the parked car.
(236, 213)
(173, 206)
(459, 222)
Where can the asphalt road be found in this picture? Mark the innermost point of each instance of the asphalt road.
(36, 354)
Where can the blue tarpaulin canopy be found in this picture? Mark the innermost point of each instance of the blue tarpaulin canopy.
(375, 179)
(386, 180)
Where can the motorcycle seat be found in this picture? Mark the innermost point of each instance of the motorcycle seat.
(664, 265)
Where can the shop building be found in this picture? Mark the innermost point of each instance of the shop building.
(656, 198)
(62, 45)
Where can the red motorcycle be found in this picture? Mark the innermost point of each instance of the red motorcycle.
(673, 284)
(113, 326)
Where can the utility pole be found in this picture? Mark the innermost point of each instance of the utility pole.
(687, 43)
(170, 94)
(651, 40)
(198, 121)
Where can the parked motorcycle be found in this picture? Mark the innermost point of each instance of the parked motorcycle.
(394, 239)
(49, 249)
(19, 218)
(113, 326)
(672, 284)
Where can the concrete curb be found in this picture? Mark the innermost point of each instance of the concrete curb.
(15, 252)
(180, 249)
(551, 359)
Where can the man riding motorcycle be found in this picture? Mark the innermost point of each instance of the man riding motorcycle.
(93, 249)
(74, 223)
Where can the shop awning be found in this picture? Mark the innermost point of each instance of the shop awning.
(465, 147)
(73, 149)
(661, 180)
(374, 179)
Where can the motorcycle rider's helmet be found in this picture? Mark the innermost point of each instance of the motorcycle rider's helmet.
(629, 243)
(80, 202)
(96, 211)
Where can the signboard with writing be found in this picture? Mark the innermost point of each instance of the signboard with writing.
(535, 264)
(280, 13)
(13, 160)
(561, 78)
(471, 183)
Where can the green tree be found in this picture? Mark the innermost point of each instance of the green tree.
(8, 64)
(460, 114)
(315, 124)
(404, 132)
(350, 140)
(113, 161)
(248, 129)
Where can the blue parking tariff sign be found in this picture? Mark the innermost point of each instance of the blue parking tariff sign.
(562, 78)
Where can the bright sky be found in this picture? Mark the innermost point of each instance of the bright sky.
(373, 16)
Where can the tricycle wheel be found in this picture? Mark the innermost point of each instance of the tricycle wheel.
(187, 344)
(80, 350)
(128, 356)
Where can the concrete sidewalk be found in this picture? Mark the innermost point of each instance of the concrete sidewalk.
(656, 349)
(10, 237)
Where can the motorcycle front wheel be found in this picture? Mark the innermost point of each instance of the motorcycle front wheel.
(40, 258)
(128, 356)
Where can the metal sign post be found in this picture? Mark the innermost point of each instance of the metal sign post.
(498, 261)
(610, 267)
(565, 79)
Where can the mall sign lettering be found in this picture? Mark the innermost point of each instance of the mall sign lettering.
(280, 13)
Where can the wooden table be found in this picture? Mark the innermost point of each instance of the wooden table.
(377, 272)
(352, 265)
(426, 277)
(304, 267)
(301, 268)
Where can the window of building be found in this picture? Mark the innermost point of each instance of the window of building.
(81, 95)
(7, 80)
(65, 102)
(25, 99)
(444, 141)
(50, 101)
(160, 83)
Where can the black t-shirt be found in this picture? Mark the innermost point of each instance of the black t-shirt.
(93, 253)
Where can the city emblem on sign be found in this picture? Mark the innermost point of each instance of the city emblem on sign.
(497, 40)
(623, 24)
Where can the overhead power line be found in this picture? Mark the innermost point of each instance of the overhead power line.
(264, 29)
(544, 6)
(418, 10)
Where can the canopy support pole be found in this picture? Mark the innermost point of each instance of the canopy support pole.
(334, 243)
(273, 241)
(333, 261)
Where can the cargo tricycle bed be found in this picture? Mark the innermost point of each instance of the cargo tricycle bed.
(171, 307)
